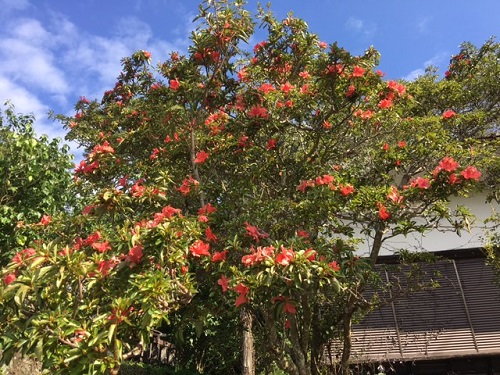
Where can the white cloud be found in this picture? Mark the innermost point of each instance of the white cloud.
(355, 24)
(25, 102)
(8, 6)
(359, 26)
(26, 56)
(414, 74)
(436, 61)
(422, 25)
(47, 62)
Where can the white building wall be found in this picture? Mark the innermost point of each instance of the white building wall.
(437, 240)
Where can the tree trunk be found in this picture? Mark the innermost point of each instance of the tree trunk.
(347, 341)
(248, 342)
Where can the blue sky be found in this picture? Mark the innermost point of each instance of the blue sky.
(54, 51)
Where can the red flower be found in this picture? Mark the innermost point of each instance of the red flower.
(11, 277)
(393, 85)
(322, 45)
(271, 144)
(334, 266)
(23, 255)
(223, 283)
(385, 147)
(185, 188)
(101, 246)
(304, 185)
(242, 75)
(385, 103)
(350, 91)
(448, 114)
(258, 112)
(137, 189)
(285, 257)
(305, 75)
(104, 266)
(200, 248)
(254, 232)
(105, 148)
(219, 256)
(146, 54)
(382, 212)
(211, 237)
(394, 195)
(169, 211)
(421, 183)
(448, 164)
(242, 290)
(286, 87)
(471, 173)
(201, 157)
(207, 209)
(135, 254)
(303, 233)
(326, 125)
(259, 46)
(347, 190)
(289, 308)
(358, 71)
(401, 144)
(45, 220)
(174, 84)
(453, 179)
(310, 254)
(266, 88)
(326, 179)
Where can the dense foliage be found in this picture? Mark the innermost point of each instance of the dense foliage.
(233, 185)
(35, 175)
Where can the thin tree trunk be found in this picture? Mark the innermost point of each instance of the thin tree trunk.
(248, 342)
(347, 341)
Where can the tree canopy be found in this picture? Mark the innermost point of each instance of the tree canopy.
(236, 182)
(35, 175)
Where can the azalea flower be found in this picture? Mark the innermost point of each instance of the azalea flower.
(219, 256)
(382, 212)
(334, 266)
(286, 87)
(421, 183)
(135, 254)
(471, 173)
(242, 290)
(285, 257)
(448, 114)
(211, 237)
(174, 84)
(258, 112)
(346, 190)
(448, 164)
(46, 219)
(201, 157)
(385, 103)
(200, 248)
(254, 232)
(10, 278)
(394, 195)
(358, 71)
(23, 255)
(266, 88)
(223, 282)
(207, 209)
(101, 246)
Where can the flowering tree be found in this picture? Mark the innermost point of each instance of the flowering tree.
(245, 176)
